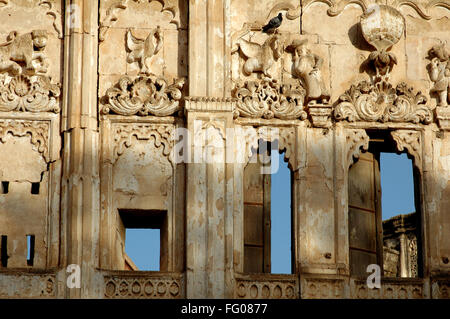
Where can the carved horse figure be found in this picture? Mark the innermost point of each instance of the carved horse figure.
(260, 58)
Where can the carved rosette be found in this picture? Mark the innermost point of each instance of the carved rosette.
(37, 130)
(29, 93)
(143, 96)
(269, 99)
(381, 102)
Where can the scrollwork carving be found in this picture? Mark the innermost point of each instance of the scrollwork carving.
(381, 102)
(270, 99)
(144, 95)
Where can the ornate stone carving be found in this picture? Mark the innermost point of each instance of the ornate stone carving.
(409, 140)
(443, 117)
(313, 288)
(139, 286)
(338, 6)
(25, 49)
(25, 93)
(255, 287)
(390, 289)
(28, 285)
(37, 130)
(143, 96)
(126, 134)
(306, 67)
(270, 99)
(355, 140)
(260, 58)
(23, 83)
(285, 136)
(320, 115)
(412, 253)
(142, 50)
(381, 102)
(112, 14)
(439, 69)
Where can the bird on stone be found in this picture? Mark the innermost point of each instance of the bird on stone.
(273, 24)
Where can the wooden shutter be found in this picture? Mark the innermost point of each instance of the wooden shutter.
(364, 210)
(256, 220)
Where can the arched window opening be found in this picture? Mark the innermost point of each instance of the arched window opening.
(267, 212)
(384, 211)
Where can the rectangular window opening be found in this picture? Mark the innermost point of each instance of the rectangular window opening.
(144, 239)
(35, 188)
(30, 250)
(5, 187)
(4, 251)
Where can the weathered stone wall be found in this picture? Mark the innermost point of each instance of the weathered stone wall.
(155, 105)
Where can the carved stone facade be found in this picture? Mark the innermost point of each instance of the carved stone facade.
(123, 114)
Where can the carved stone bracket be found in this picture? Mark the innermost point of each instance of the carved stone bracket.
(411, 141)
(320, 114)
(443, 117)
(144, 95)
(126, 134)
(37, 130)
(355, 140)
(112, 14)
(381, 102)
(269, 99)
(29, 93)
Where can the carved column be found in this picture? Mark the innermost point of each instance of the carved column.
(209, 48)
(209, 209)
(80, 185)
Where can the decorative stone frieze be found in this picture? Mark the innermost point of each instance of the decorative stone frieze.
(145, 95)
(269, 99)
(266, 287)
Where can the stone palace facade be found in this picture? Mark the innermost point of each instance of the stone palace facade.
(119, 114)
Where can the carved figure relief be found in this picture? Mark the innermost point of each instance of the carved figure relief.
(260, 58)
(23, 54)
(306, 67)
(378, 100)
(439, 69)
(142, 50)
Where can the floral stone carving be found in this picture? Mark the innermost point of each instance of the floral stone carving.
(143, 96)
(270, 99)
(23, 83)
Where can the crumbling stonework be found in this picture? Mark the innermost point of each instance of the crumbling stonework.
(117, 114)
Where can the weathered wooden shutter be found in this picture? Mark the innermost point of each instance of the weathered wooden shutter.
(256, 220)
(365, 230)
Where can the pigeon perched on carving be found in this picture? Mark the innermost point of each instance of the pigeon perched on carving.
(273, 24)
